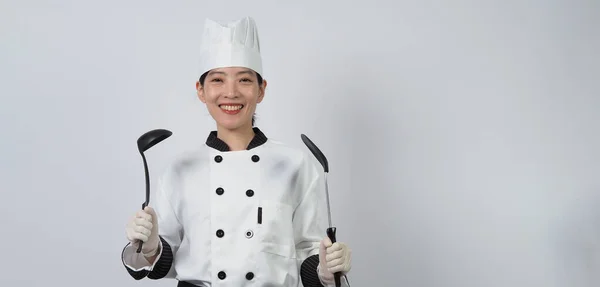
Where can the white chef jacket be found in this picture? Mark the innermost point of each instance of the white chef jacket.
(238, 218)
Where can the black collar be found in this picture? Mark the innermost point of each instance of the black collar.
(218, 144)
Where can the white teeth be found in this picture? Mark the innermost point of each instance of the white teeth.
(231, 108)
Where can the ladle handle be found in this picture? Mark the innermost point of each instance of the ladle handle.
(141, 242)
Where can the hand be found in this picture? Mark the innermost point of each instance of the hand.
(333, 258)
(143, 226)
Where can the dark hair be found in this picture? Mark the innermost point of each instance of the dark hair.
(259, 79)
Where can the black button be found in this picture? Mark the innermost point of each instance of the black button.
(249, 275)
(250, 192)
(255, 158)
(249, 234)
(222, 275)
(220, 233)
(220, 191)
(218, 158)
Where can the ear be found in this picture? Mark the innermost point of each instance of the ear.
(200, 92)
(261, 92)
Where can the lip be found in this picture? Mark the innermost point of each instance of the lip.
(231, 104)
(231, 112)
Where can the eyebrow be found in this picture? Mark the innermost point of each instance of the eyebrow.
(223, 73)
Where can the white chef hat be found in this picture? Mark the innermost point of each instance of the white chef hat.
(234, 44)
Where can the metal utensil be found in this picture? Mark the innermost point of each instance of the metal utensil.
(331, 230)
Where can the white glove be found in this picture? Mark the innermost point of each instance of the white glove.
(143, 226)
(333, 258)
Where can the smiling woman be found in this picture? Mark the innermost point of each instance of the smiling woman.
(243, 208)
(251, 77)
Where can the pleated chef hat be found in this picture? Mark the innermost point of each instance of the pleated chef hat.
(234, 44)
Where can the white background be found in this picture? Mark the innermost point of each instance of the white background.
(463, 136)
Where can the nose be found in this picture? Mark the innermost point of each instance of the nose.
(231, 90)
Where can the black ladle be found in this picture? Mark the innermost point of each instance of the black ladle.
(145, 142)
(331, 230)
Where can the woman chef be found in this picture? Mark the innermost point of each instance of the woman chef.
(242, 209)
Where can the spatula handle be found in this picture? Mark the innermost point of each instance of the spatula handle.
(331, 234)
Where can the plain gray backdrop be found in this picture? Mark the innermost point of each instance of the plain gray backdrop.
(463, 136)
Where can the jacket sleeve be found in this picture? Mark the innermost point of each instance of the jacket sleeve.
(310, 222)
(170, 234)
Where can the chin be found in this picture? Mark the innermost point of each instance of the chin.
(233, 125)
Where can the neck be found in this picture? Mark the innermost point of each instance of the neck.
(237, 139)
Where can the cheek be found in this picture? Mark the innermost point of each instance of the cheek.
(251, 94)
(211, 96)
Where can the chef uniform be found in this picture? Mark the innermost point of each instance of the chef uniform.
(237, 218)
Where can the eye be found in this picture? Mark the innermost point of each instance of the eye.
(216, 80)
(247, 80)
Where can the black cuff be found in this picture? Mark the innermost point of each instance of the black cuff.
(137, 275)
(163, 266)
(308, 272)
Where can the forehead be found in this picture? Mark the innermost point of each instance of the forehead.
(230, 71)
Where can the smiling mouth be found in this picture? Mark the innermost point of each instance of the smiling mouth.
(231, 107)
